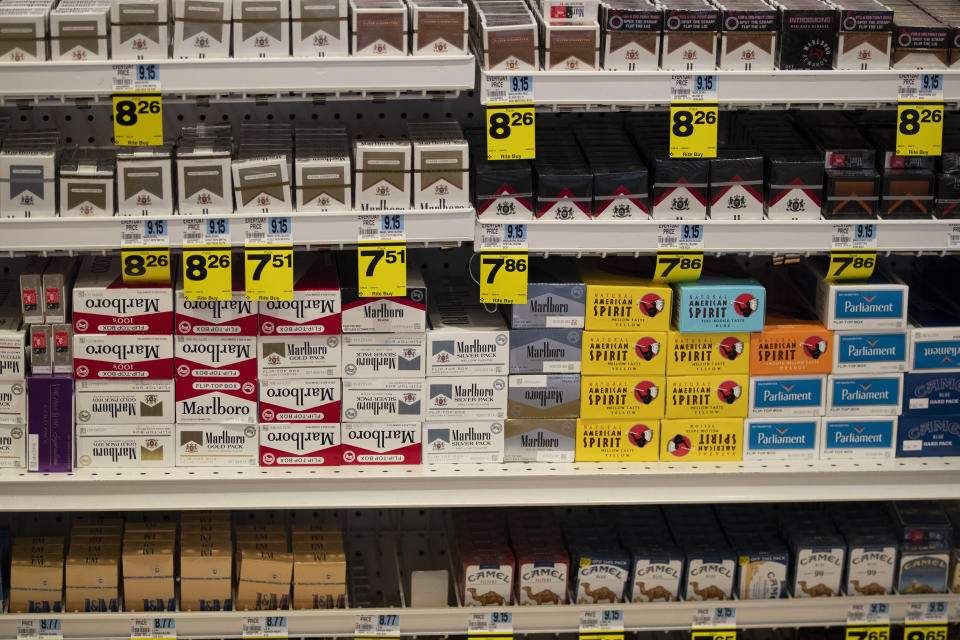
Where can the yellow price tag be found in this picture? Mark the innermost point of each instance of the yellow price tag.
(713, 634)
(137, 119)
(851, 264)
(693, 129)
(207, 273)
(146, 265)
(678, 266)
(925, 632)
(868, 632)
(382, 269)
(510, 132)
(601, 635)
(919, 128)
(503, 277)
(268, 271)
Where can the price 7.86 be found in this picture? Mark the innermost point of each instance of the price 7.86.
(672, 262)
(507, 264)
(277, 261)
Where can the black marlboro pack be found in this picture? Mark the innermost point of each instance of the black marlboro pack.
(620, 180)
(690, 30)
(502, 188)
(631, 35)
(865, 30)
(748, 35)
(736, 184)
(381, 315)
(852, 184)
(563, 178)
(808, 34)
(948, 195)
(920, 41)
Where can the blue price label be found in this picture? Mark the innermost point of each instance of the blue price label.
(704, 83)
(501, 617)
(391, 222)
(163, 624)
(218, 226)
(931, 82)
(279, 226)
(148, 72)
(691, 231)
(865, 232)
(514, 232)
(611, 615)
(937, 607)
(49, 624)
(154, 228)
(275, 622)
(520, 84)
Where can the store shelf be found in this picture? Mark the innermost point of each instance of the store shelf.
(514, 484)
(728, 236)
(423, 228)
(360, 75)
(735, 88)
(546, 619)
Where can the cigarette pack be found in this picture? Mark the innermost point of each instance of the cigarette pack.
(261, 29)
(865, 31)
(617, 441)
(877, 394)
(465, 340)
(383, 400)
(41, 349)
(621, 301)
(458, 442)
(315, 308)
(545, 350)
(466, 397)
(87, 177)
(102, 304)
(201, 29)
(406, 313)
(555, 297)
(870, 352)
(100, 356)
(205, 576)
(720, 396)
(928, 436)
(707, 353)
(931, 393)
(621, 397)
(50, 423)
(204, 180)
(36, 582)
(877, 303)
(28, 185)
(125, 402)
(717, 305)
(309, 356)
(118, 446)
(145, 178)
(79, 31)
(381, 443)
(808, 34)
(748, 36)
(624, 352)
(382, 172)
(701, 439)
(631, 36)
(139, 29)
(299, 445)
(319, 28)
(378, 28)
(441, 167)
(871, 563)
(395, 355)
(544, 396)
(539, 440)
(92, 578)
(863, 438)
(217, 445)
(57, 282)
(781, 438)
(13, 446)
(438, 28)
(787, 347)
(234, 317)
(13, 402)
(31, 289)
(308, 400)
(787, 396)
(934, 348)
(690, 31)
(224, 358)
(261, 179)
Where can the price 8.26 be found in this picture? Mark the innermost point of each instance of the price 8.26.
(911, 119)
(684, 121)
(196, 265)
(136, 264)
(127, 111)
(501, 123)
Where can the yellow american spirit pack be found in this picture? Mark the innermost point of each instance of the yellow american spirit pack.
(623, 397)
(623, 352)
(618, 440)
(620, 301)
(700, 440)
(718, 396)
(707, 353)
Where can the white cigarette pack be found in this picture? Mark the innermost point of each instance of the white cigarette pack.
(201, 29)
(456, 442)
(315, 308)
(139, 29)
(145, 179)
(13, 402)
(320, 28)
(138, 446)
(217, 445)
(98, 356)
(79, 31)
(28, 185)
(122, 402)
(13, 447)
(298, 357)
(312, 400)
(262, 184)
(261, 29)
(467, 397)
(465, 339)
(382, 173)
(393, 355)
(441, 174)
(299, 445)
(383, 400)
(868, 394)
(234, 317)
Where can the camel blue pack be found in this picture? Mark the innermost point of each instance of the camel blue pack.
(923, 436)
(926, 394)
(716, 305)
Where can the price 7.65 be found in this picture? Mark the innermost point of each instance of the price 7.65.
(263, 259)
(389, 256)
(507, 264)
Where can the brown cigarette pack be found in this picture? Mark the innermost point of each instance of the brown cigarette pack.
(319, 579)
(148, 576)
(206, 577)
(36, 583)
(264, 580)
(93, 580)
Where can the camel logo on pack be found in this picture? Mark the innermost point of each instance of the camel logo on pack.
(640, 435)
(730, 347)
(745, 305)
(796, 204)
(647, 348)
(645, 392)
(814, 347)
(651, 305)
(679, 445)
(729, 391)
(680, 204)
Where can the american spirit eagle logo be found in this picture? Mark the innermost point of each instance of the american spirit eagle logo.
(680, 204)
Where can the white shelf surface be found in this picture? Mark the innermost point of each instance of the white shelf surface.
(726, 236)
(735, 88)
(512, 484)
(246, 76)
(453, 620)
(422, 227)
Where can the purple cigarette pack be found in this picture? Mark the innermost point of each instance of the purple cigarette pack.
(50, 423)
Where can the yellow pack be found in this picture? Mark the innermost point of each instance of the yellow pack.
(719, 396)
(623, 397)
(707, 353)
(619, 301)
(607, 353)
(701, 440)
(618, 440)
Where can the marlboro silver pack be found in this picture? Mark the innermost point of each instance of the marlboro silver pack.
(383, 400)
(388, 355)
(216, 379)
(292, 357)
(122, 357)
(299, 445)
(315, 308)
(102, 304)
(300, 400)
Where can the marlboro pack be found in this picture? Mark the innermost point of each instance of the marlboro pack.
(216, 379)
(102, 304)
(114, 402)
(315, 308)
(381, 315)
(285, 445)
(234, 317)
(300, 400)
(120, 357)
(289, 357)
(381, 443)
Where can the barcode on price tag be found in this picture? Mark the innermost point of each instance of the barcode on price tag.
(953, 237)
(207, 231)
(145, 233)
(263, 627)
(153, 629)
(371, 627)
(503, 237)
(382, 228)
(44, 629)
(680, 237)
(506, 89)
(854, 236)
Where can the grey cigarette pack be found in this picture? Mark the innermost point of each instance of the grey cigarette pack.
(383, 400)
(307, 356)
(28, 187)
(13, 446)
(204, 181)
(201, 28)
(441, 170)
(455, 442)
(217, 445)
(467, 397)
(465, 339)
(261, 29)
(86, 182)
(78, 31)
(145, 180)
(393, 355)
(556, 297)
(544, 396)
(139, 29)
(122, 402)
(382, 172)
(262, 184)
(23, 31)
(545, 350)
(536, 440)
(102, 446)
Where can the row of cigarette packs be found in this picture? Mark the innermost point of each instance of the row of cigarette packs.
(159, 29)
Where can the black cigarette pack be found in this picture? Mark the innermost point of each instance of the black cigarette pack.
(808, 35)
(851, 193)
(736, 184)
(501, 188)
(621, 183)
(563, 179)
(920, 40)
(948, 195)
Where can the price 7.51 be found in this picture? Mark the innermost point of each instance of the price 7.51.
(390, 256)
(263, 259)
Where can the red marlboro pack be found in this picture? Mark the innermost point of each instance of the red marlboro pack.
(308, 400)
(299, 445)
(216, 379)
(406, 313)
(234, 317)
(315, 308)
(118, 357)
(381, 443)
(103, 304)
